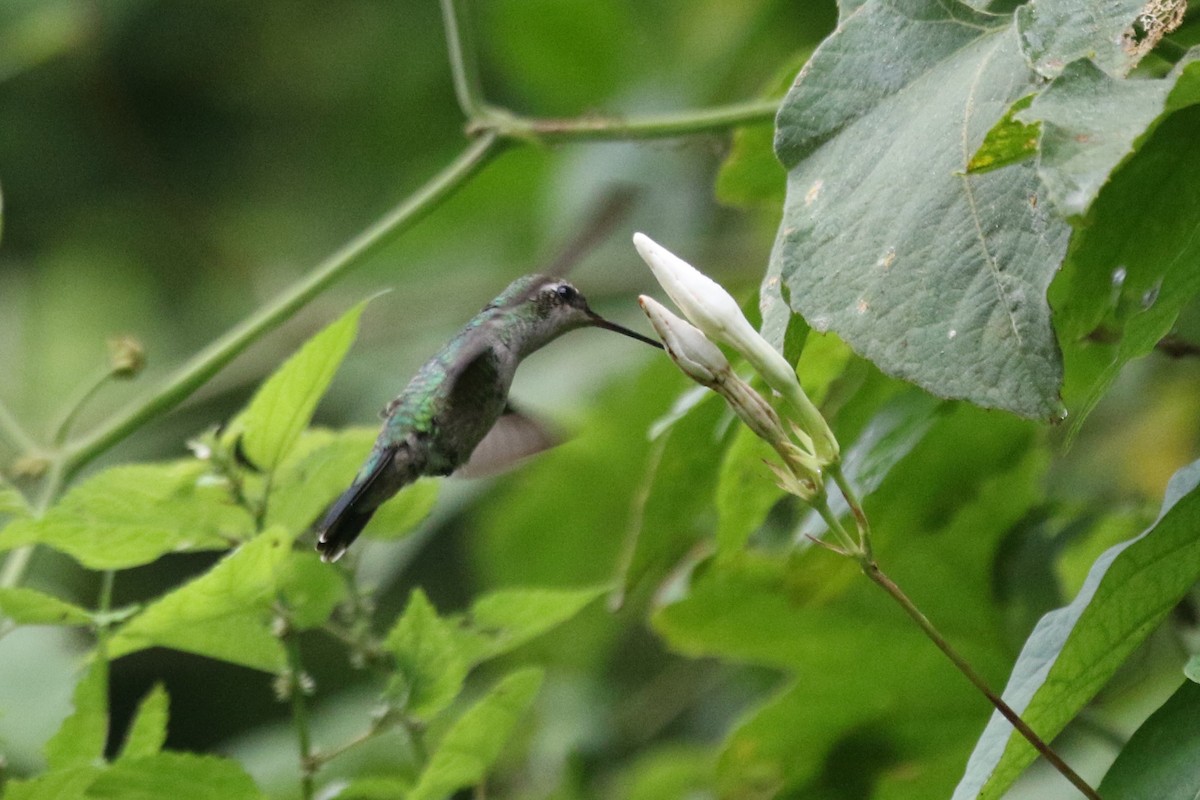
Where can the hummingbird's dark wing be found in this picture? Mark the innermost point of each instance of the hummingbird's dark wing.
(514, 436)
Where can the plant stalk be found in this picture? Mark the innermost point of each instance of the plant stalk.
(308, 763)
(871, 569)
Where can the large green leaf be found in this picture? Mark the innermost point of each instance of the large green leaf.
(67, 784)
(79, 741)
(1132, 270)
(473, 743)
(503, 620)
(282, 407)
(223, 614)
(131, 515)
(936, 275)
(1160, 759)
(1090, 122)
(1056, 32)
(1073, 651)
(178, 776)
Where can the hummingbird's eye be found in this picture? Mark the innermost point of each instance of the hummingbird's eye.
(566, 293)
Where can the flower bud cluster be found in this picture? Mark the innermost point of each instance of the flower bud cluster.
(811, 445)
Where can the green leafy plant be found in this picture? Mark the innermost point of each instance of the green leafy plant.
(983, 222)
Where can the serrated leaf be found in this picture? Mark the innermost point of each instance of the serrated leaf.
(223, 614)
(1056, 32)
(148, 731)
(475, 740)
(178, 776)
(79, 741)
(1008, 142)
(66, 784)
(131, 515)
(1073, 651)
(506, 619)
(1159, 760)
(937, 276)
(310, 589)
(283, 406)
(430, 665)
(1090, 122)
(31, 607)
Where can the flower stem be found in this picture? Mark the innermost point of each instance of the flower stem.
(308, 763)
(91, 390)
(871, 569)
(12, 430)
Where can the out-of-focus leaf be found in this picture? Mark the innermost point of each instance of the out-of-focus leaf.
(178, 776)
(45, 31)
(79, 741)
(671, 773)
(746, 489)
(936, 276)
(66, 784)
(814, 616)
(1008, 142)
(1090, 122)
(375, 788)
(430, 663)
(31, 607)
(1160, 758)
(128, 516)
(1074, 650)
(148, 731)
(1054, 33)
(751, 175)
(508, 618)
(404, 512)
(318, 468)
(1132, 270)
(12, 504)
(682, 477)
(473, 743)
(310, 589)
(223, 614)
(284, 404)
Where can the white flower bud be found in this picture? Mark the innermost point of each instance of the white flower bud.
(700, 359)
(717, 315)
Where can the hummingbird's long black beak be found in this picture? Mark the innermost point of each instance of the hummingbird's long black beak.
(601, 322)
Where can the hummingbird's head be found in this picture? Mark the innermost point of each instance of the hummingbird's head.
(549, 307)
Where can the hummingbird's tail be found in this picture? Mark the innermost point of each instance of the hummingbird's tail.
(351, 512)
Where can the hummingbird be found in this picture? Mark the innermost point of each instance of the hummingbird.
(459, 399)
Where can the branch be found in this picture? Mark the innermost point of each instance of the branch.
(211, 359)
(16, 435)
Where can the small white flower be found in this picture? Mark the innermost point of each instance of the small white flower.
(692, 352)
(717, 315)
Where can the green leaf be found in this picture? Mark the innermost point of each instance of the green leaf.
(1160, 758)
(746, 489)
(310, 589)
(148, 731)
(1057, 32)
(429, 662)
(178, 776)
(283, 406)
(1074, 650)
(1090, 122)
(506, 619)
(937, 276)
(131, 515)
(224, 613)
(400, 515)
(319, 468)
(1132, 270)
(31, 607)
(79, 741)
(751, 175)
(1008, 142)
(475, 740)
(671, 773)
(66, 784)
